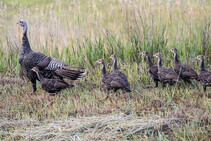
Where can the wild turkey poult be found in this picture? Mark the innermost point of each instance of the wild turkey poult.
(49, 67)
(165, 74)
(205, 75)
(110, 81)
(153, 69)
(120, 74)
(51, 85)
(185, 72)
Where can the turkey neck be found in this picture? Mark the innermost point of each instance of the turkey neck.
(149, 61)
(176, 60)
(115, 64)
(25, 42)
(104, 69)
(202, 68)
(160, 62)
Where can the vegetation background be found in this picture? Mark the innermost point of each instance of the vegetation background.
(81, 32)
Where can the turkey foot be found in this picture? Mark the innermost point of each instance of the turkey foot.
(30, 93)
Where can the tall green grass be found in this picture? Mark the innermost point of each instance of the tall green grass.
(82, 32)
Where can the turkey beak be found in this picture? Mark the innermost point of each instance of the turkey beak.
(18, 22)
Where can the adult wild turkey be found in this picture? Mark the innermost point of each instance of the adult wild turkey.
(120, 74)
(185, 72)
(165, 74)
(49, 67)
(153, 69)
(51, 85)
(205, 75)
(110, 81)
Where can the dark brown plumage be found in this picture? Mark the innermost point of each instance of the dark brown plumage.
(205, 75)
(165, 74)
(120, 74)
(185, 72)
(153, 69)
(49, 67)
(110, 81)
(51, 85)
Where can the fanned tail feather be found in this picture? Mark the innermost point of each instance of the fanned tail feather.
(72, 67)
(70, 86)
(69, 74)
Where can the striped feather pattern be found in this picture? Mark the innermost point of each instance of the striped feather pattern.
(55, 64)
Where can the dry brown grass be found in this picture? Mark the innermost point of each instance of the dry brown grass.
(108, 127)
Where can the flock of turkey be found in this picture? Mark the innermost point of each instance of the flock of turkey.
(51, 71)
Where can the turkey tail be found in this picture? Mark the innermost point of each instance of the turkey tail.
(70, 86)
(72, 67)
(179, 81)
(128, 90)
(69, 74)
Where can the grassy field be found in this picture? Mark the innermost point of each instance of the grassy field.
(81, 32)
